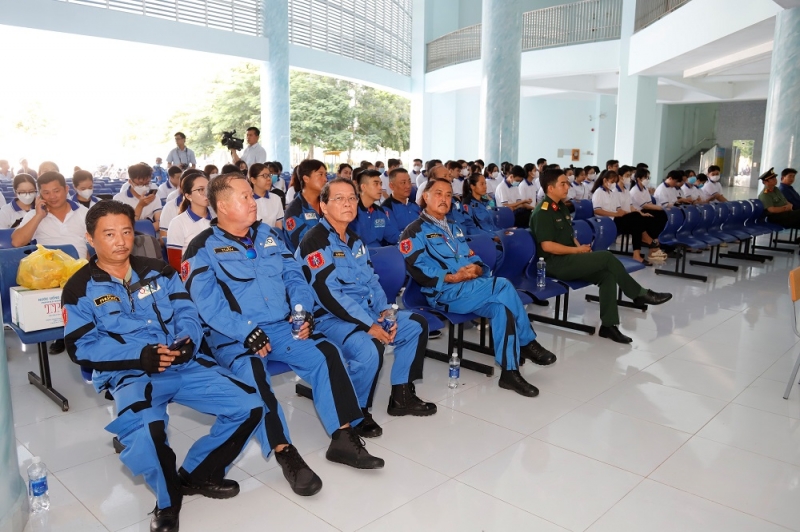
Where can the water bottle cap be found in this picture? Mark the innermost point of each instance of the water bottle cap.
(36, 459)
(298, 307)
(394, 306)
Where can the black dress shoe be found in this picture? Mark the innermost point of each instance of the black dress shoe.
(56, 347)
(224, 490)
(433, 335)
(165, 520)
(510, 379)
(540, 302)
(537, 354)
(652, 298)
(301, 478)
(368, 428)
(404, 402)
(348, 448)
(612, 333)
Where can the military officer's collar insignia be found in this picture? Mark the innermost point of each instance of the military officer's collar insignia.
(108, 298)
(225, 249)
(270, 242)
(555, 206)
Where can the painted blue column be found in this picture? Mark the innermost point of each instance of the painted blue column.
(275, 82)
(13, 493)
(782, 127)
(501, 53)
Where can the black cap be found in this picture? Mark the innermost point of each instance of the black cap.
(768, 174)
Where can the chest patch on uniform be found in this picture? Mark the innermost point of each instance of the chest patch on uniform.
(555, 207)
(108, 298)
(338, 254)
(290, 225)
(185, 269)
(311, 216)
(270, 242)
(434, 235)
(361, 251)
(147, 290)
(380, 222)
(225, 249)
(459, 232)
(315, 260)
(406, 246)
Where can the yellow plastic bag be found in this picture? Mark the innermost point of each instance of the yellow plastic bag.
(47, 268)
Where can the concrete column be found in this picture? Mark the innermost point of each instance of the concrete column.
(501, 51)
(635, 138)
(604, 123)
(418, 147)
(13, 493)
(782, 127)
(275, 83)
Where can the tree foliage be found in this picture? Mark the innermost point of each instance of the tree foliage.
(325, 112)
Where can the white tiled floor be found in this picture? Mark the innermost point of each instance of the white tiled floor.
(686, 429)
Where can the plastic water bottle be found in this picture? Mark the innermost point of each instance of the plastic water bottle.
(298, 319)
(492, 204)
(541, 273)
(390, 319)
(455, 371)
(37, 486)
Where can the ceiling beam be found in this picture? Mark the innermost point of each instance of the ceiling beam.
(722, 91)
(723, 63)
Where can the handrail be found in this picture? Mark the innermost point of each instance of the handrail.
(687, 152)
(649, 11)
(575, 23)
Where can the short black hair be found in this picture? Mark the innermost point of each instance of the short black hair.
(393, 162)
(174, 170)
(49, 177)
(255, 130)
(306, 168)
(549, 178)
(24, 178)
(787, 171)
(229, 168)
(518, 171)
(139, 171)
(219, 185)
(713, 168)
(325, 193)
(366, 174)
(418, 161)
(540, 160)
(107, 208)
(611, 162)
(395, 172)
(80, 176)
(676, 175)
(181, 135)
(702, 178)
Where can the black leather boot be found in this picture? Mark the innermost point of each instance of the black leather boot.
(301, 478)
(165, 520)
(224, 490)
(348, 448)
(510, 379)
(404, 402)
(368, 428)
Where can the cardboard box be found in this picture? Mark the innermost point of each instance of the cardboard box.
(35, 310)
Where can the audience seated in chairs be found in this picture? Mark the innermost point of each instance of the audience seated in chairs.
(11, 213)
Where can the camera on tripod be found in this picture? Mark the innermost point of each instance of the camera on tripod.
(231, 142)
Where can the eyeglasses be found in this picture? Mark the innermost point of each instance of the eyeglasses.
(250, 249)
(201, 190)
(264, 175)
(344, 199)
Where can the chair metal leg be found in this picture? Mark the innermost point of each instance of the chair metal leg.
(459, 348)
(562, 321)
(620, 302)
(792, 378)
(44, 382)
(680, 268)
(714, 262)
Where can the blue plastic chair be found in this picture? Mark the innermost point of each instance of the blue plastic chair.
(504, 217)
(5, 238)
(707, 230)
(9, 264)
(484, 247)
(144, 227)
(669, 236)
(735, 225)
(583, 209)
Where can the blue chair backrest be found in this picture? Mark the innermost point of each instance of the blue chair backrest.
(145, 227)
(605, 232)
(708, 218)
(736, 216)
(748, 212)
(388, 263)
(691, 218)
(674, 222)
(723, 214)
(413, 298)
(583, 209)
(485, 248)
(5, 238)
(758, 209)
(518, 250)
(9, 264)
(582, 231)
(504, 217)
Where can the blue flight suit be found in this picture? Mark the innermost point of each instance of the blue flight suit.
(399, 215)
(106, 327)
(791, 195)
(298, 218)
(370, 225)
(350, 301)
(457, 215)
(236, 294)
(483, 222)
(430, 253)
(160, 174)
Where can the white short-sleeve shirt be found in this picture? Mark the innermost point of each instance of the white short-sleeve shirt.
(270, 208)
(178, 157)
(254, 153)
(666, 196)
(505, 194)
(640, 196)
(624, 198)
(578, 192)
(10, 214)
(164, 190)
(692, 193)
(605, 199)
(51, 231)
(709, 189)
(148, 211)
(185, 227)
(169, 211)
(290, 194)
(529, 190)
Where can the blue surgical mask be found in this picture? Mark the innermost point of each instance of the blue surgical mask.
(700, 185)
(515, 183)
(692, 180)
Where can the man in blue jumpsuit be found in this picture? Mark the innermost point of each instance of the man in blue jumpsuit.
(120, 315)
(353, 305)
(370, 223)
(456, 214)
(303, 212)
(454, 279)
(244, 280)
(399, 208)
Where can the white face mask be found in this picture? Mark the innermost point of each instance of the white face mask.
(212, 176)
(645, 182)
(85, 194)
(495, 175)
(464, 172)
(626, 181)
(141, 189)
(417, 168)
(571, 178)
(714, 178)
(590, 177)
(27, 198)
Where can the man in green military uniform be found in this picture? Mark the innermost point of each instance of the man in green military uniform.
(779, 210)
(567, 260)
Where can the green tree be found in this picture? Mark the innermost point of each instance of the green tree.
(320, 112)
(384, 120)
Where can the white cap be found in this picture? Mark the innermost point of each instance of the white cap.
(36, 460)
(298, 307)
